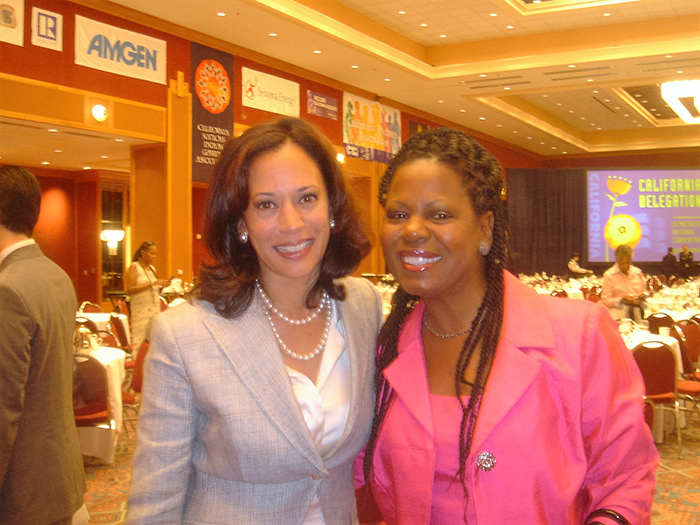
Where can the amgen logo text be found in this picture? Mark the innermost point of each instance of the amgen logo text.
(124, 52)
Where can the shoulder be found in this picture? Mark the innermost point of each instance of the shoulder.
(357, 285)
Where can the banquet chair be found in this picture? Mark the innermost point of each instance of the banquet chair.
(658, 367)
(691, 331)
(117, 329)
(87, 323)
(89, 307)
(688, 388)
(129, 401)
(559, 293)
(120, 307)
(659, 319)
(662, 279)
(90, 401)
(696, 318)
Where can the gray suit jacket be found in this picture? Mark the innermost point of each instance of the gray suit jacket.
(41, 468)
(222, 438)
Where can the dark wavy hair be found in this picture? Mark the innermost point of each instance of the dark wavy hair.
(229, 283)
(20, 199)
(139, 251)
(482, 177)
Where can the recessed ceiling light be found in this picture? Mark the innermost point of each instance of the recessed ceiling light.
(86, 167)
(564, 152)
(545, 96)
(536, 1)
(317, 51)
(104, 157)
(606, 14)
(542, 143)
(493, 14)
(509, 27)
(58, 151)
(599, 129)
(626, 115)
(387, 80)
(639, 125)
(272, 34)
(355, 67)
(443, 36)
(482, 118)
(462, 110)
(583, 118)
(596, 92)
(441, 101)
(529, 138)
(638, 95)
(424, 24)
(652, 109)
(554, 147)
(592, 124)
(402, 12)
(558, 103)
(645, 101)
(118, 140)
(52, 130)
(669, 56)
(571, 111)
(617, 107)
(590, 80)
(572, 65)
(658, 114)
(679, 72)
(500, 126)
(634, 121)
(221, 14)
(515, 131)
(44, 162)
(506, 88)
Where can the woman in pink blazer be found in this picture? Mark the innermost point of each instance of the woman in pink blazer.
(494, 405)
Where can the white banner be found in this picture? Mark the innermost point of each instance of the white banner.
(108, 48)
(270, 93)
(47, 29)
(12, 22)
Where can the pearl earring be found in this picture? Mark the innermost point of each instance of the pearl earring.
(332, 223)
(484, 248)
(243, 237)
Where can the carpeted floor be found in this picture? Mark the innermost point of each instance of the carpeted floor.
(676, 502)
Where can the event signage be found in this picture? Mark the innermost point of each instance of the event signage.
(371, 131)
(321, 105)
(47, 29)
(108, 48)
(269, 93)
(648, 210)
(12, 22)
(212, 108)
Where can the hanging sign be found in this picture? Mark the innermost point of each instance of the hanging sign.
(12, 22)
(371, 131)
(270, 93)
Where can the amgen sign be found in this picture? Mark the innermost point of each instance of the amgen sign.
(108, 48)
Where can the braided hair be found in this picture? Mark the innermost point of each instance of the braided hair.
(482, 177)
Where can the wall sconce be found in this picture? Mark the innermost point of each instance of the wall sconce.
(112, 238)
(671, 92)
(99, 113)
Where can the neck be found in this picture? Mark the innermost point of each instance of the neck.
(454, 311)
(8, 238)
(287, 295)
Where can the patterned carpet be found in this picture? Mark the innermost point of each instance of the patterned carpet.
(676, 502)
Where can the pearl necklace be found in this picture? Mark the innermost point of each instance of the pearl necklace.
(325, 299)
(444, 336)
(325, 302)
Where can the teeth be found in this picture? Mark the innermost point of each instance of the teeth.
(296, 248)
(419, 261)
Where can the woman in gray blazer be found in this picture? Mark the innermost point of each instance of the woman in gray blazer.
(258, 391)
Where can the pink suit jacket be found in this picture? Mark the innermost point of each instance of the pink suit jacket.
(562, 415)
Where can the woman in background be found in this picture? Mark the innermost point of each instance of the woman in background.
(258, 392)
(495, 405)
(143, 287)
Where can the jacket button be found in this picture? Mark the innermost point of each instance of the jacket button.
(486, 461)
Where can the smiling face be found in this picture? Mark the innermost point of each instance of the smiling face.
(287, 218)
(431, 234)
(148, 256)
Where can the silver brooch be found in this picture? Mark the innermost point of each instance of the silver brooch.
(486, 461)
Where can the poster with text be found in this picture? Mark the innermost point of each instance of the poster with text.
(269, 93)
(12, 22)
(371, 131)
(648, 210)
(212, 107)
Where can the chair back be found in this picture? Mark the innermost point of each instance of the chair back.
(560, 293)
(659, 319)
(90, 387)
(137, 378)
(89, 307)
(677, 333)
(658, 367)
(691, 331)
(661, 278)
(120, 307)
(87, 323)
(119, 331)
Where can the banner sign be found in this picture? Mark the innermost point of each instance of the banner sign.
(212, 110)
(12, 22)
(321, 105)
(371, 131)
(47, 29)
(648, 210)
(270, 93)
(108, 48)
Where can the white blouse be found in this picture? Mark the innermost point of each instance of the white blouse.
(326, 404)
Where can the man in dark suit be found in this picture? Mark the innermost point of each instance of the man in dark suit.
(41, 468)
(686, 263)
(669, 264)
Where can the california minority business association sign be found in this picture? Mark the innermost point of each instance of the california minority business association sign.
(119, 51)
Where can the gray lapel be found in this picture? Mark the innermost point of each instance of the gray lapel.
(258, 363)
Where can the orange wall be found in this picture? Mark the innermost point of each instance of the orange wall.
(199, 250)
(38, 63)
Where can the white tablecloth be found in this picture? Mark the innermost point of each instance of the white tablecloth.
(101, 319)
(640, 336)
(99, 441)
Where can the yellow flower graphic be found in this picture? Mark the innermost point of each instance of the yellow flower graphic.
(622, 229)
(619, 186)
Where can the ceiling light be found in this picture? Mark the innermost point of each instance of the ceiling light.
(672, 92)
(606, 14)
(482, 75)
(58, 151)
(493, 14)
(679, 72)
(220, 14)
(424, 24)
(441, 101)
(462, 110)
(542, 143)
(387, 80)
(340, 158)
(515, 131)
(104, 157)
(590, 80)
(118, 140)
(443, 36)
(402, 12)
(669, 56)
(509, 27)
(272, 34)
(554, 147)
(571, 111)
(638, 95)
(506, 88)
(482, 118)
(44, 162)
(53, 130)
(644, 101)
(572, 65)
(86, 167)
(564, 152)
(355, 67)
(317, 51)
(500, 126)
(99, 112)
(583, 118)
(529, 138)
(545, 96)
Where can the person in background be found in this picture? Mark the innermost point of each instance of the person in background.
(143, 287)
(624, 287)
(41, 467)
(258, 392)
(575, 269)
(687, 269)
(669, 264)
(495, 405)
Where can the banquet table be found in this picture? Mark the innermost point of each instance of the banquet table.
(101, 319)
(100, 441)
(632, 339)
